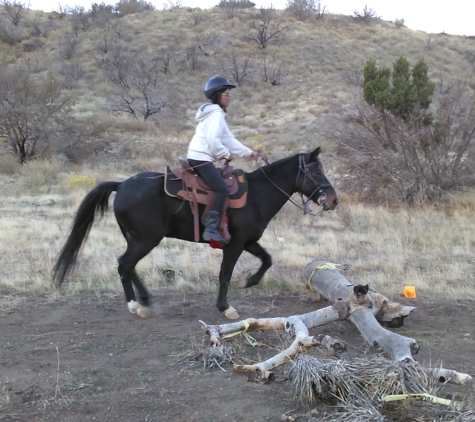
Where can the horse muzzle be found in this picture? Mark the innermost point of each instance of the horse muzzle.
(328, 202)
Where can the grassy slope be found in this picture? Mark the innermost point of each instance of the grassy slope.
(430, 248)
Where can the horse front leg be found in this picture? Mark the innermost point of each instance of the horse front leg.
(259, 252)
(231, 254)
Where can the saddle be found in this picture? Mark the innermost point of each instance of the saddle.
(184, 183)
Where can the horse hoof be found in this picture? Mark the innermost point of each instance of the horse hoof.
(140, 310)
(231, 313)
(144, 312)
(242, 284)
(133, 306)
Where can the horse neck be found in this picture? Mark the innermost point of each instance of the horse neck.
(273, 179)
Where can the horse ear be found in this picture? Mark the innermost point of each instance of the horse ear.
(314, 154)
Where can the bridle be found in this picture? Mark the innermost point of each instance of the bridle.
(303, 168)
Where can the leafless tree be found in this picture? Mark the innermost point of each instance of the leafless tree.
(36, 28)
(79, 20)
(191, 59)
(120, 29)
(117, 65)
(270, 70)
(68, 44)
(229, 8)
(71, 73)
(165, 57)
(102, 16)
(235, 68)
(15, 11)
(265, 27)
(367, 15)
(60, 12)
(139, 91)
(387, 158)
(35, 113)
(306, 9)
(207, 43)
(103, 45)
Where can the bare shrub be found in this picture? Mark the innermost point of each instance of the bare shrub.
(71, 73)
(102, 16)
(37, 28)
(235, 68)
(265, 26)
(129, 7)
(207, 43)
(67, 44)
(190, 58)
(270, 70)
(60, 12)
(386, 157)
(230, 7)
(36, 115)
(196, 17)
(116, 65)
(79, 20)
(165, 57)
(139, 91)
(15, 11)
(367, 15)
(306, 9)
(104, 43)
(353, 77)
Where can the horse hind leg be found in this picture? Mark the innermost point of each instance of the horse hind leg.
(259, 252)
(127, 262)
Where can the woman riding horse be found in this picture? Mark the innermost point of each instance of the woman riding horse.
(213, 141)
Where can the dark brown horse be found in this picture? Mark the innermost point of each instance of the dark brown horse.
(146, 214)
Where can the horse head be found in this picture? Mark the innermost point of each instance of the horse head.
(312, 182)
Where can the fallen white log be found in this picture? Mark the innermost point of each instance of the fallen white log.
(297, 326)
(360, 304)
(312, 319)
(322, 277)
(364, 305)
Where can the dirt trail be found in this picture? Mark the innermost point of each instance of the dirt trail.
(114, 366)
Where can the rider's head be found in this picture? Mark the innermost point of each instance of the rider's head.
(215, 88)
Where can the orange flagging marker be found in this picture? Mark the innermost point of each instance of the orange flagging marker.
(409, 291)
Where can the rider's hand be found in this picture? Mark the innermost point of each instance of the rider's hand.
(254, 155)
(230, 158)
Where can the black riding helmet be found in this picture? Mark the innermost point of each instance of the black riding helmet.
(215, 84)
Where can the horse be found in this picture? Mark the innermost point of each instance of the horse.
(146, 214)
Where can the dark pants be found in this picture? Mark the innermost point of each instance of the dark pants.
(211, 175)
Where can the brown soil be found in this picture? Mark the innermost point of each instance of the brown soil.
(113, 366)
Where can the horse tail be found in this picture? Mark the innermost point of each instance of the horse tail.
(95, 200)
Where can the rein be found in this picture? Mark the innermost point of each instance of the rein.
(302, 169)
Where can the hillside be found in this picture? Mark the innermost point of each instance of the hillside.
(314, 58)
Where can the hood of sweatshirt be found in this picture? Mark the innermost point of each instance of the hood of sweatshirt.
(205, 110)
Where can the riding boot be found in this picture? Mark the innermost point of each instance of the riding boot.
(211, 231)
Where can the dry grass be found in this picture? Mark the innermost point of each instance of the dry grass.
(429, 248)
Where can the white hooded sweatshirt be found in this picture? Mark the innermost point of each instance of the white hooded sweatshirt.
(212, 139)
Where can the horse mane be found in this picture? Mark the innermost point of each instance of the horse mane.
(270, 166)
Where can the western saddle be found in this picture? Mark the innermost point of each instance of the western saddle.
(183, 182)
